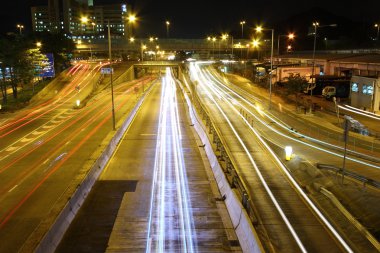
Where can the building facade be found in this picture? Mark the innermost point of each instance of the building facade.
(365, 93)
(40, 18)
(80, 18)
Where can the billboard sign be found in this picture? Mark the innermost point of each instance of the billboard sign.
(48, 69)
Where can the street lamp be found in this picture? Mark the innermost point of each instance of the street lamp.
(223, 37)
(131, 20)
(290, 37)
(242, 23)
(316, 24)
(377, 26)
(110, 56)
(143, 47)
(260, 29)
(84, 21)
(38, 44)
(93, 27)
(212, 39)
(167, 28)
(20, 27)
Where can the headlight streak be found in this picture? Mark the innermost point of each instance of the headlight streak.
(282, 214)
(163, 200)
(360, 112)
(56, 104)
(295, 184)
(292, 131)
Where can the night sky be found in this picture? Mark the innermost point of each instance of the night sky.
(199, 18)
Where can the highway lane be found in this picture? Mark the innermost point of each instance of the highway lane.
(279, 119)
(291, 224)
(164, 202)
(36, 173)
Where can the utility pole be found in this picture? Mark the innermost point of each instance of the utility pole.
(110, 56)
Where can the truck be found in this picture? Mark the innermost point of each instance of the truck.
(321, 81)
(339, 89)
(282, 73)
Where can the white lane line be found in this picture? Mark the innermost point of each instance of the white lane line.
(14, 187)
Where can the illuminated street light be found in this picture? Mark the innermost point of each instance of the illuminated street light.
(38, 44)
(20, 27)
(93, 27)
(290, 37)
(110, 56)
(242, 23)
(212, 39)
(132, 39)
(316, 24)
(260, 29)
(167, 28)
(131, 20)
(143, 47)
(84, 19)
(377, 26)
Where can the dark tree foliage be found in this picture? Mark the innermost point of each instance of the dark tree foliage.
(295, 84)
(60, 46)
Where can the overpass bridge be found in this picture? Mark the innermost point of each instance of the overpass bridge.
(142, 67)
(203, 47)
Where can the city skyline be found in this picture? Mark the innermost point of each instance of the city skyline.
(202, 18)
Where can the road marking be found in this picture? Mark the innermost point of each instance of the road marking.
(14, 187)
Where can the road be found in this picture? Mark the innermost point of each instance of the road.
(43, 146)
(287, 215)
(155, 194)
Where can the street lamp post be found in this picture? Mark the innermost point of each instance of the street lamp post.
(259, 29)
(377, 35)
(290, 36)
(167, 28)
(110, 56)
(131, 20)
(316, 24)
(20, 27)
(242, 23)
(143, 47)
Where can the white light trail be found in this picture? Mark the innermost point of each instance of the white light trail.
(292, 180)
(272, 197)
(170, 197)
(284, 126)
(360, 112)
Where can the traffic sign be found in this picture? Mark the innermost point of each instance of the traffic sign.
(106, 71)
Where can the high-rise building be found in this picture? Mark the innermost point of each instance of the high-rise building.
(40, 18)
(80, 18)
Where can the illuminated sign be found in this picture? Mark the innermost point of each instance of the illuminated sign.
(48, 69)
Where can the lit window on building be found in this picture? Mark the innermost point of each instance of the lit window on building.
(369, 89)
(354, 87)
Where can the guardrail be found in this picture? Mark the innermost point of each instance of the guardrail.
(232, 192)
(351, 174)
(226, 161)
